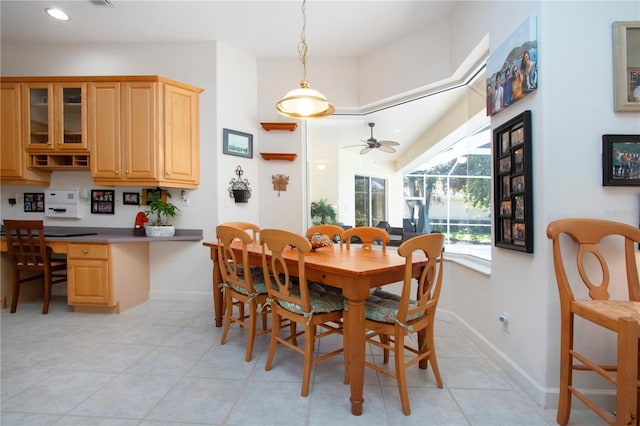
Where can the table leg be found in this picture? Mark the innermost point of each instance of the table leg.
(356, 335)
(217, 291)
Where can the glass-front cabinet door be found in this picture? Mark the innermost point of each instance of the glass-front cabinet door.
(55, 116)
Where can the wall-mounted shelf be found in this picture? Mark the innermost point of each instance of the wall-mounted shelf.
(279, 126)
(278, 156)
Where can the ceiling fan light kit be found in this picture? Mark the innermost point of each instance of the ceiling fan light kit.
(373, 143)
(304, 102)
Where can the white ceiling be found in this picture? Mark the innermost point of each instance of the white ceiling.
(263, 28)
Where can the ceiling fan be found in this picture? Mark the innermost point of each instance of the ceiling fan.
(371, 143)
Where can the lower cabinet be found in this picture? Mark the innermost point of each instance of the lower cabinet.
(108, 277)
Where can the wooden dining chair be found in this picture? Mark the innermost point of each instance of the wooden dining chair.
(368, 235)
(31, 259)
(307, 304)
(391, 318)
(241, 285)
(595, 248)
(331, 231)
(249, 227)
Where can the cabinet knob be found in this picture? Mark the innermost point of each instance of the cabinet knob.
(117, 172)
(127, 171)
(85, 251)
(59, 143)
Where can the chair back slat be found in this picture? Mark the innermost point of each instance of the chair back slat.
(276, 270)
(248, 227)
(368, 235)
(26, 244)
(430, 281)
(589, 236)
(234, 271)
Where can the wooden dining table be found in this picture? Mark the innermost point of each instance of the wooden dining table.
(353, 270)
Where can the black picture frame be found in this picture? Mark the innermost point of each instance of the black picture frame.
(513, 189)
(33, 202)
(131, 198)
(620, 160)
(103, 201)
(147, 192)
(237, 143)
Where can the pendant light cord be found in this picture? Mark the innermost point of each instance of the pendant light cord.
(302, 46)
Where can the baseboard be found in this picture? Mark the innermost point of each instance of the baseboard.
(542, 396)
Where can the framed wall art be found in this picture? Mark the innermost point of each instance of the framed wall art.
(513, 191)
(33, 202)
(626, 65)
(237, 143)
(131, 198)
(102, 201)
(148, 191)
(620, 160)
(512, 68)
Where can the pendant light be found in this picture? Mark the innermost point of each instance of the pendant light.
(304, 102)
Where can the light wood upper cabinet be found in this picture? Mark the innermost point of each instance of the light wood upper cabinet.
(54, 117)
(13, 160)
(152, 136)
(128, 130)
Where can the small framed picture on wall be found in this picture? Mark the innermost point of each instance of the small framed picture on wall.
(102, 201)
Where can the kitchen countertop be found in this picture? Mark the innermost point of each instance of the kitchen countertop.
(113, 235)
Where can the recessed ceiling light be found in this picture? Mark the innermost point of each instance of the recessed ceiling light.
(57, 13)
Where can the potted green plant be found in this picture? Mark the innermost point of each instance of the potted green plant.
(160, 212)
(323, 211)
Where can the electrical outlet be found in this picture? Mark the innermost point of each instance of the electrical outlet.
(505, 319)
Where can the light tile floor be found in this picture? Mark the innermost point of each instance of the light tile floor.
(161, 363)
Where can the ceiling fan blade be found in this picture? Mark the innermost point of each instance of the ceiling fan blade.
(365, 150)
(386, 148)
(352, 146)
(389, 143)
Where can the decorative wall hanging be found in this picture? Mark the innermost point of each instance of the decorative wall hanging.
(146, 195)
(620, 160)
(102, 201)
(512, 69)
(237, 143)
(131, 198)
(239, 189)
(33, 202)
(626, 65)
(513, 192)
(280, 183)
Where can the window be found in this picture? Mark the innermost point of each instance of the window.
(455, 187)
(370, 200)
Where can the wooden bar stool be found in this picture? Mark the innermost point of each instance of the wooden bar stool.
(621, 317)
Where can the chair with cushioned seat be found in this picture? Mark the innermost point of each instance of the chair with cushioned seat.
(331, 231)
(367, 235)
(392, 318)
(299, 301)
(32, 259)
(599, 252)
(249, 227)
(241, 284)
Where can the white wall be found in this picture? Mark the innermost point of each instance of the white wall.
(178, 269)
(571, 109)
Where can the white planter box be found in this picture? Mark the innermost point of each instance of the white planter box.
(160, 231)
